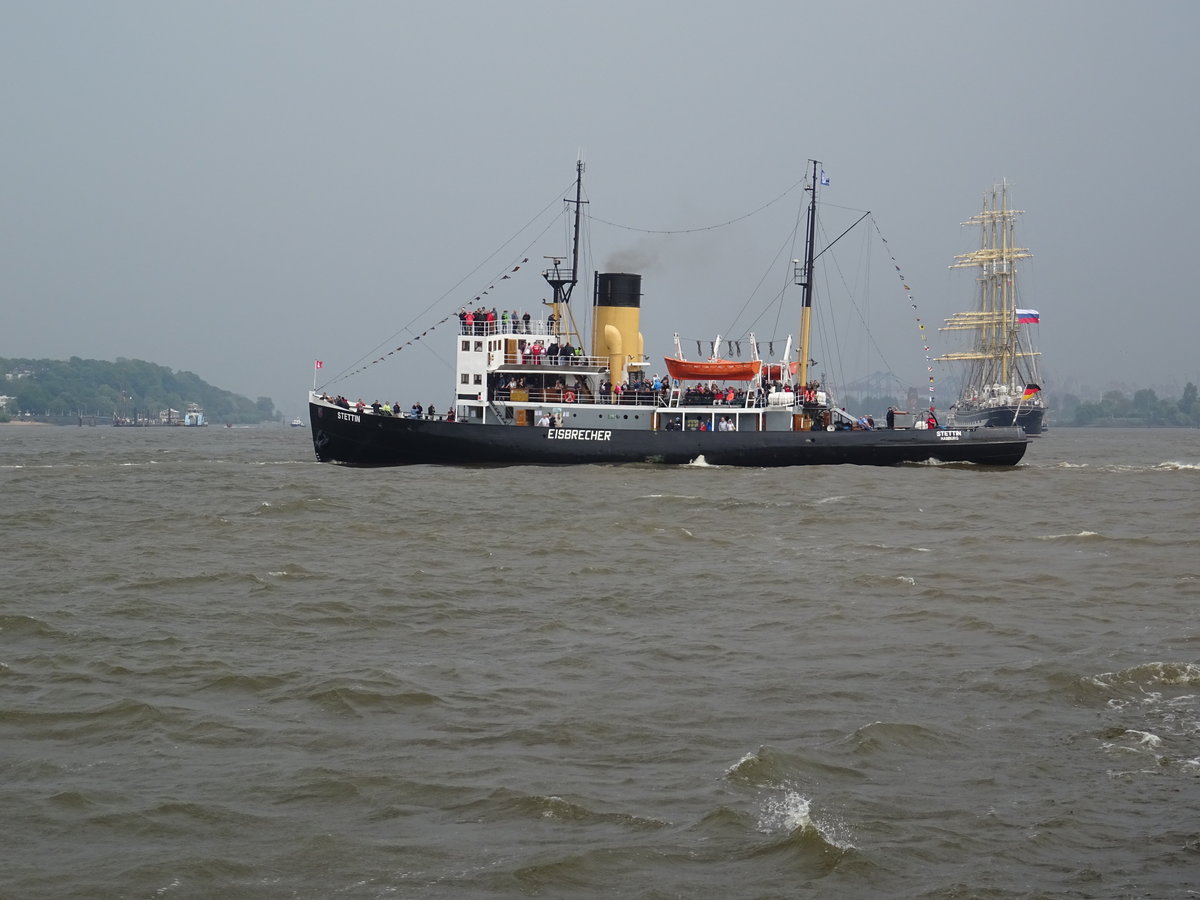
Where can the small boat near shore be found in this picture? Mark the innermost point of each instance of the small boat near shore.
(194, 417)
(526, 391)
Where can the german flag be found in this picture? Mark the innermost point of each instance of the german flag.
(1030, 390)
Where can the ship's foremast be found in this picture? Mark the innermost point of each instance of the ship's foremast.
(563, 282)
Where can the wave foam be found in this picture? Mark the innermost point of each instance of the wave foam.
(1175, 466)
(786, 812)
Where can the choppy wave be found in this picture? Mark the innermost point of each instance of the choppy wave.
(784, 813)
(508, 804)
(1077, 536)
(1176, 466)
(1153, 713)
(888, 736)
(1130, 468)
(1148, 675)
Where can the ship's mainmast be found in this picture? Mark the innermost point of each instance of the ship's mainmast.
(804, 277)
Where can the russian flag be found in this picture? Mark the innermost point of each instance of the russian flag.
(1028, 317)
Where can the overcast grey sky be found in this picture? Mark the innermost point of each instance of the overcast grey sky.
(239, 188)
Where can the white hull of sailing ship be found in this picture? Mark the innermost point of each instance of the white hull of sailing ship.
(1000, 384)
(525, 392)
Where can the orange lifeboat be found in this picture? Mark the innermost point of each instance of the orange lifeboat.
(774, 371)
(713, 369)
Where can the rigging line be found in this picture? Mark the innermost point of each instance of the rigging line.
(363, 366)
(585, 265)
(407, 327)
(829, 333)
(777, 299)
(829, 246)
(753, 212)
(774, 300)
(862, 318)
(790, 241)
(834, 342)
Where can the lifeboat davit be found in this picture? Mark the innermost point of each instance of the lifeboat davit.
(713, 369)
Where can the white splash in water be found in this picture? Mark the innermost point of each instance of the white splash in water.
(786, 812)
(789, 811)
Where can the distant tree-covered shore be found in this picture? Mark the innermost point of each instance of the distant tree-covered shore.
(127, 388)
(1144, 408)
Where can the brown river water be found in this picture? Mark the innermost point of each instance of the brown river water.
(229, 671)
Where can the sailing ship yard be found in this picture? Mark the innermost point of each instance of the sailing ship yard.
(527, 390)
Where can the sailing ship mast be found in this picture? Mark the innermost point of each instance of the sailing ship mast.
(994, 356)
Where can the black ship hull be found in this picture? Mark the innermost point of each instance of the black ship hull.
(524, 394)
(1028, 418)
(364, 439)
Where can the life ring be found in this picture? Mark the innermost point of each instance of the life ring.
(569, 396)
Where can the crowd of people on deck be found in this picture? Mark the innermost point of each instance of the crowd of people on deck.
(631, 392)
(416, 411)
(538, 353)
(539, 387)
(638, 390)
(482, 320)
(712, 395)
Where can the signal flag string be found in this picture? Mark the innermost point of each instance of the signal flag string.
(916, 314)
(491, 287)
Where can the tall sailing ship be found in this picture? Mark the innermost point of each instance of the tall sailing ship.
(1000, 385)
(527, 391)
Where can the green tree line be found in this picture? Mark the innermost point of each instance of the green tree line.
(1144, 408)
(96, 387)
